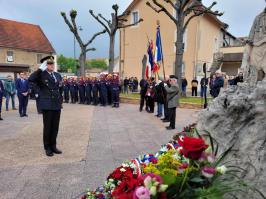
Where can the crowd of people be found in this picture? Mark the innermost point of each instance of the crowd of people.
(214, 84)
(165, 94)
(10, 89)
(92, 91)
(84, 90)
(129, 84)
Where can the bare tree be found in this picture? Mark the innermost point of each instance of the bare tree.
(185, 10)
(111, 26)
(83, 46)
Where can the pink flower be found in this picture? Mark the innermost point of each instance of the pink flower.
(142, 193)
(208, 172)
(183, 167)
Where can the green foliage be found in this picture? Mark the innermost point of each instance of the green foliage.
(67, 63)
(95, 63)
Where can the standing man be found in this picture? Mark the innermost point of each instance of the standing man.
(81, 89)
(115, 91)
(143, 89)
(218, 84)
(22, 86)
(194, 85)
(10, 91)
(184, 87)
(204, 82)
(66, 88)
(173, 100)
(51, 99)
(1, 97)
(126, 83)
(88, 87)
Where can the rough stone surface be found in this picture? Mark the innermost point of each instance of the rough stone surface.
(238, 116)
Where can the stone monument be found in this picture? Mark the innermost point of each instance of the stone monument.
(237, 117)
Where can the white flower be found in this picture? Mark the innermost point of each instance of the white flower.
(163, 188)
(153, 191)
(123, 170)
(222, 169)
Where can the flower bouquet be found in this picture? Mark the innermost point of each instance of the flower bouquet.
(188, 167)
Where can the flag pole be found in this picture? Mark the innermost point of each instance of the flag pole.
(158, 26)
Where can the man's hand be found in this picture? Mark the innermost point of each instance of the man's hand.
(43, 66)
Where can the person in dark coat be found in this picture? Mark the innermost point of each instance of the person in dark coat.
(88, 89)
(238, 79)
(103, 91)
(194, 85)
(109, 89)
(159, 98)
(73, 87)
(115, 91)
(218, 84)
(143, 89)
(81, 89)
(203, 86)
(1, 97)
(22, 86)
(150, 94)
(95, 98)
(51, 98)
(36, 93)
(66, 88)
(184, 87)
(126, 84)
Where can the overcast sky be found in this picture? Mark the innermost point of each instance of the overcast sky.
(238, 14)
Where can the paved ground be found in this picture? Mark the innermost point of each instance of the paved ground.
(113, 135)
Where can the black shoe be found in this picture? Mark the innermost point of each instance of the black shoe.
(140, 110)
(49, 152)
(14, 109)
(21, 115)
(56, 151)
(164, 121)
(170, 128)
(25, 115)
(1, 119)
(158, 115)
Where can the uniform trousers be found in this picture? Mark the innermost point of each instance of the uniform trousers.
(172, 116)
(51, 120)
(23, 103)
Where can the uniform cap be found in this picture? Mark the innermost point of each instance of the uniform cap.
(49, 59)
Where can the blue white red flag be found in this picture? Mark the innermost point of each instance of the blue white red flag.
(158, 55)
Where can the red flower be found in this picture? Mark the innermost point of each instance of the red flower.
(192, 147)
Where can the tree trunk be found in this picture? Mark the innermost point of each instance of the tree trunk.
(112, 53)
(179, 55)
(82, 62)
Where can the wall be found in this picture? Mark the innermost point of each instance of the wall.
(200, 42)
(21, 57)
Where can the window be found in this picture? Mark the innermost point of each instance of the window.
(9, 56)
(39, 57)
(135, 17)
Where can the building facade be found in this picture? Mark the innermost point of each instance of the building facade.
(22, 46)
(203, 38)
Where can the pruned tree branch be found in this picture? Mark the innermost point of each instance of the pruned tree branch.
(133, 24)
(184, 3)
(94, 37)
(90, 49)
(98, 19)
(198, 11)
(162, 9)
(176, 7)
(107, 21)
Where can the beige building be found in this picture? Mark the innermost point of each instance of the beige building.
(204, 37)
(22, 46)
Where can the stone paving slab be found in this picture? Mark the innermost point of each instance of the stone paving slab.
(114, 135)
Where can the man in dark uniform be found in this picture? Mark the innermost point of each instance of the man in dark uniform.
(73, 90)
(1, 97)
(88, 88)
(115, 91)
(66, 88)
(109, 88)
(103, 91)
(81, 88)
(94, 92)
(143, 89)
(22, 86)
(50, 84)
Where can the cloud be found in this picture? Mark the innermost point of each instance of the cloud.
(239, 14)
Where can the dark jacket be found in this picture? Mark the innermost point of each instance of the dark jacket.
(159, 93)
(22, 86)
(143, 87)
(1, 89)
(50, 91)
(217, 85)
(204, 82)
